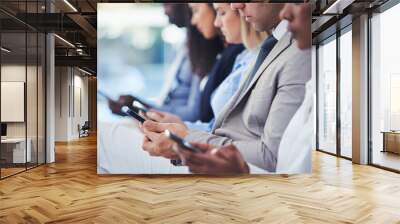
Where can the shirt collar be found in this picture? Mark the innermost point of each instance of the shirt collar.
(279, 31)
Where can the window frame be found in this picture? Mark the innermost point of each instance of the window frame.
(381, 9)
(347, 27)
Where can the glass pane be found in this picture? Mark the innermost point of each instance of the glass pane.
(346, 94)
(327, 97)
(385, 85)
(314, 74)
(31, 86)
(41, 99)
(23, 87)
(13, 86)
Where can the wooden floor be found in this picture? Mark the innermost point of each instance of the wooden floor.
(5, 172)
(70, 191)
(10, 171)
(387, 159)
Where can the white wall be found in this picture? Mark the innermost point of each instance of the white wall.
(80, 110)
(61, 103)
(33, 126)
(16, 73)
(71, 94)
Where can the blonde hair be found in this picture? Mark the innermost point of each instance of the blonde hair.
(251, 38)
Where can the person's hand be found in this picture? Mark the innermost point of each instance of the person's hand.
(156, 143)
(115, 107)
(163, 117)
(126, 100)
(123, 100)
(223, 160)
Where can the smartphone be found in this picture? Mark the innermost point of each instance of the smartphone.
(133, 114)
(138, 102)
(182, 143)
(139, 107)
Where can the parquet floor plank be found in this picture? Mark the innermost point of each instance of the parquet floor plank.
(70, 191)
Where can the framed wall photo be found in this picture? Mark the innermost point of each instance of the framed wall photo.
(12, 101)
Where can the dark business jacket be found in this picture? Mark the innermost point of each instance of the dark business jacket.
(221, 69)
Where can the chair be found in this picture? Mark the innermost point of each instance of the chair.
(84, 130)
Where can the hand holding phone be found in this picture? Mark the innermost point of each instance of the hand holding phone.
(133, 114)
(139, 107)
(182, 143)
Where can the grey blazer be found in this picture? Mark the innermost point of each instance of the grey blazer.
(255, 119)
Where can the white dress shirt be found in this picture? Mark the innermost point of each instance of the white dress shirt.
(280, 30)
(294, 155)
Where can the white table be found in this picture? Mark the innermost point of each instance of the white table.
(19, 153)
(119, 151)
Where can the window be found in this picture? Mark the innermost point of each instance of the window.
(385, 89)
(346, 93)
(327, 96)
(22, 77)
(314, 75)
(394, 101)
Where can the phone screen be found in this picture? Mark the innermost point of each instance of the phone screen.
(139, 103)
(139, 107)
(182, 143)
(133, 114)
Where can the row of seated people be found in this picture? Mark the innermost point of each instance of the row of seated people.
(239, 84)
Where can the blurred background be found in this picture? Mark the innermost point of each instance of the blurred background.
(136, 45)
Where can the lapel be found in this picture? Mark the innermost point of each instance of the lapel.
(232, 101)
(281, 46)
